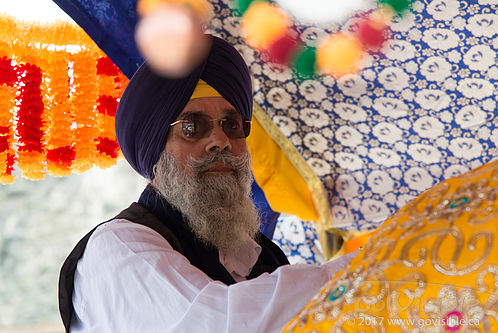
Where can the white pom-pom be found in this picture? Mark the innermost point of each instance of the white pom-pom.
(171, 40)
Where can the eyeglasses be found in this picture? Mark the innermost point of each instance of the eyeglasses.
(198, 126)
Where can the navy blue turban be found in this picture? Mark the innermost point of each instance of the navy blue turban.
(151, 102)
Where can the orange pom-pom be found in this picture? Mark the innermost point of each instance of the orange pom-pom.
(263, 24)
(339, 54)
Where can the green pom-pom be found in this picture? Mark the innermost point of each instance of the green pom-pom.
(305, 62)
(242, 5)
(399, 6)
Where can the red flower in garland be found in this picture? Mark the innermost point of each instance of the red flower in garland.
(105, 66)
(108, 147)
(62, 156)
(107, 105)
(29, 116)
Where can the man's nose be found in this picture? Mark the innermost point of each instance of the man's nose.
(218, 140)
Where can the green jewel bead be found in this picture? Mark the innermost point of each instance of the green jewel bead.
(305, 62)
(459, 202)
(337, 293)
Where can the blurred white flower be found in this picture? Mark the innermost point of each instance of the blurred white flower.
(369, 74)
(285, 124)
(494, 137)
(403, 23)
(352, 85)
(348, 161)
(312, 90)
(475, 88)
(483, 25)
(483, 133)
(443, 10)
(455, 170)
(399, 50)
(296, 140)
(408, 94)
(232, 25)
(374, 210)
(403, 199)
(279, 98)
(311, 36)
(277, 72)
(470, 116)
(350, 112)
(454, 56)
(363, 128)
(418, 179)
(291, 87)
(348, 136)
(467, 148)
(390, 107)
(435, 69)
(346, 186)
(387, 132)
(314, 117)
(411, 67)
(394, 78)
(436, 170)
(415, 34)
(319, 166)
(442, 39)
(480, 57)
(401, 147)
(489, 104)
(315, 142)
(450, 84)
(446, 116)
(428, 127)
(424, 153)
(404, 123)
(341, 216)
(431, 99)
(384, 157)
(459, 23)
(380, 182)
(442, 142)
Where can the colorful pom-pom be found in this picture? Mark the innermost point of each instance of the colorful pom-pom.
(263, 24)
(306, 62)
(399, 6)
(282, 50)
(339, 54)
(371, 32)
(242, 5)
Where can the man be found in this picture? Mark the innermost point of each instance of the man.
(188, 256)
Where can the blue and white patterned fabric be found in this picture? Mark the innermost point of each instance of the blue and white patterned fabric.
(423, 110)
(298, 240)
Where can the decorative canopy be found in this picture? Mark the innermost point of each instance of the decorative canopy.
(421, 110)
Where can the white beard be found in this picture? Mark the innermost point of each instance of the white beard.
(217, 207)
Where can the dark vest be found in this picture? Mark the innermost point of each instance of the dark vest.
(168, 222)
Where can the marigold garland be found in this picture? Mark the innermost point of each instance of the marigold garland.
(58, 99)
(109, 89)
(60, 135)
(7, 102)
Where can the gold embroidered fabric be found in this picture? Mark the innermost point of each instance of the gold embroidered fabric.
(432, 267)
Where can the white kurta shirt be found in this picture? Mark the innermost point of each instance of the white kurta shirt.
(131, 280)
